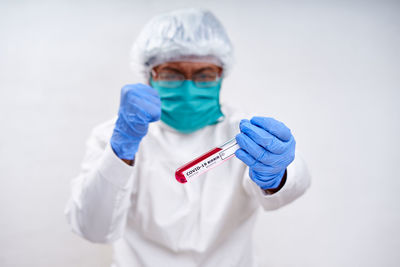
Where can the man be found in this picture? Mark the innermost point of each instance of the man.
(127, 194)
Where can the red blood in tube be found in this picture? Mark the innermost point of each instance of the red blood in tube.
(179, 172)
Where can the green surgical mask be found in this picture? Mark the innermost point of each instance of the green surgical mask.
(187, 106)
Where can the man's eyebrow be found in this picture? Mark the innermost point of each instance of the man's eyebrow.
(170, 68)
(205, 68)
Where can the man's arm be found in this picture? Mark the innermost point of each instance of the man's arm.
(100, 198)
(274, 190)
(298, 180)
(267, 147)
(130, 162)
(101, 194)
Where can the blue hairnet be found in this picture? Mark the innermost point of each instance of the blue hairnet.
(182, 35)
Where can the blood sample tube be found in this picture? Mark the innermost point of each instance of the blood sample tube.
(207, 161)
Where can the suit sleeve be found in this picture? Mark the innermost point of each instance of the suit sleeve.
(100, 194)
(297, 182)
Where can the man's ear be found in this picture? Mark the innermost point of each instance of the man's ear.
(153, 74)
(220, 71)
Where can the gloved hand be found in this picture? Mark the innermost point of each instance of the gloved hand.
(267, 146)
(140, 104)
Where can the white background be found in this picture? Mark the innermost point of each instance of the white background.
(328, 69)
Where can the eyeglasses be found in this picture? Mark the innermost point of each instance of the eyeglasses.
(174, 79)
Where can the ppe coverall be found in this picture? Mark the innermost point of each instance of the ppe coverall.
(152, 220)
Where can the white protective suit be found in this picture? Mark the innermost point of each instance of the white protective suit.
(152, 220)
(155, 221)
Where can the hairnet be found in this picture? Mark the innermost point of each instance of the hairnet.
(182, 35)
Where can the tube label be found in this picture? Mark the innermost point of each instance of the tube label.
(211, 161)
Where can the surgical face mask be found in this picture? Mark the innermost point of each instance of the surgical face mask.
(188, 106)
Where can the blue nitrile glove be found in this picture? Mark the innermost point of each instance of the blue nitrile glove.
(267, 146)
(140, 104)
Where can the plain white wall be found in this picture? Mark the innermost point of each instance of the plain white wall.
(328, 69)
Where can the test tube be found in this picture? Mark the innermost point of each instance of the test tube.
(207, 161)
